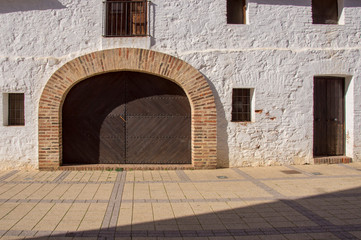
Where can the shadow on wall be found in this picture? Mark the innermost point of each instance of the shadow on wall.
(9, 6)
(151, 19)
(347, 3)
(334, 215)
(222, 134)
(352, 3)
(283, 2)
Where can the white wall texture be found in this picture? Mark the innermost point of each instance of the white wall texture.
(277, 53)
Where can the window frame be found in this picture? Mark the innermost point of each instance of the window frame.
(14, 109)
(133, 23)
(323, 19)
(247, 107)
(233, 11)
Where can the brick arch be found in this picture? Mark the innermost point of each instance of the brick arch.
(204, 116)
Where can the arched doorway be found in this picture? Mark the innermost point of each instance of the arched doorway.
(193, 83)
(126, 118)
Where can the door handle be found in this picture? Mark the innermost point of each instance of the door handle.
(122, 118)
(335, 119)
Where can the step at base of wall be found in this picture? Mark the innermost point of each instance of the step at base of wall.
(127, 167)
(332, 160)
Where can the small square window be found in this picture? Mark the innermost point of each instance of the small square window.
(325, 11)
(241, 104)
(236, 11)
(125, 18)
(16, 109)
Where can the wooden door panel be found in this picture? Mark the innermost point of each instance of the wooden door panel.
(158, 126)
(329, 120)
(93, 131)
(126, 117)
(167, 105)
(158, 120)
(74, 149)
(158, 150)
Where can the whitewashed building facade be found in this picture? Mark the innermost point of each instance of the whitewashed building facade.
(278, 51)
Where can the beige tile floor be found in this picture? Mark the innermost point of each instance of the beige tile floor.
(308, 202)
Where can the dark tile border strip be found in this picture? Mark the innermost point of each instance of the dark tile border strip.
(182, 176)
(118, 201)
(51, 201)
(109, 211)
(299, 208)
(318, 219)
(61, 177)
(197, 200)
(240, 199)
(311, 176)
(184, 181)
(340, 231)
(3, 178)
(349, 167)
(259, 184)
(53, 182)
(112, 212)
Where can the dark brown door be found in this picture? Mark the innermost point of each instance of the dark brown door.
(93, 125)
(126, 117)
(157, 122)
(329, 116)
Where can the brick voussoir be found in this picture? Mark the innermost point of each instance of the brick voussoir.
(204, 115)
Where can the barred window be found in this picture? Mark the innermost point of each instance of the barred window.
(236, 11)
(125, 18)
(16, 109)
(325, 11)
(241, 105)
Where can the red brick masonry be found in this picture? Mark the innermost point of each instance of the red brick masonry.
(200, 95)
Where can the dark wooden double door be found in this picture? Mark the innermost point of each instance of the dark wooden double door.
(126, 117)
(329, 116)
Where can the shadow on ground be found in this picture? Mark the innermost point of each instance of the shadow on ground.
(328, 216)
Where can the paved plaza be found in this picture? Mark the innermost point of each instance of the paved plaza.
(286, 202)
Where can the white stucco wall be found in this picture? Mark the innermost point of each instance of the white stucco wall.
(277, 53)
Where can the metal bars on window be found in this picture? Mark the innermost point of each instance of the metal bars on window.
(16, 109)
(125, 18)
(241, 105)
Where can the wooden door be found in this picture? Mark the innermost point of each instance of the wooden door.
(93, 125)
(126, 117)
(158, 122)
(329, 116)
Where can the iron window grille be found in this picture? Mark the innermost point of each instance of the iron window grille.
(125, 18)
(16, 109)
(241, 105)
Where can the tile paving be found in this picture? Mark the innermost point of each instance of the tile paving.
(286, 202)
